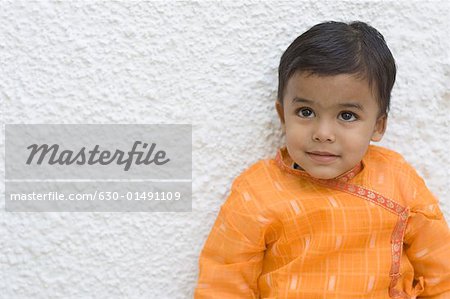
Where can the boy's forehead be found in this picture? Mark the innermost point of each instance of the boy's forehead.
(334, 88)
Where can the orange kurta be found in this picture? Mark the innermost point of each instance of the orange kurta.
(374, 232)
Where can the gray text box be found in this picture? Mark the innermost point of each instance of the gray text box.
(79, 143)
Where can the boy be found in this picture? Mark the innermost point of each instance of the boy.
(331, 216)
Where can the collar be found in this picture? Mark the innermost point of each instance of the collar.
(285, 162)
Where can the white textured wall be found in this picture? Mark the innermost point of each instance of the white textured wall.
(212, 64)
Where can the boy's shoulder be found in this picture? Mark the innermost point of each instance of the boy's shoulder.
(403, 177)
(380, 157)
(385, 152)
(259, 173)
(252, 187)
(379, 160)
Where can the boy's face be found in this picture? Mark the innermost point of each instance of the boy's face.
(329, 122)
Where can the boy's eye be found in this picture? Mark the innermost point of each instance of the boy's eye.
(348, 116)
(305, 112)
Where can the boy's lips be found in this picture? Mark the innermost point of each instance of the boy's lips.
(322, 157)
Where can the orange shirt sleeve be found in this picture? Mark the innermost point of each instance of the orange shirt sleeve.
(427, 240)
(231, 260)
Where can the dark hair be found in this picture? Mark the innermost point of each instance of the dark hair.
(333, 48)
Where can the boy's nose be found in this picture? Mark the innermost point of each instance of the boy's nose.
(323, 133)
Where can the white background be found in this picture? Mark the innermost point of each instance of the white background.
(212, 64)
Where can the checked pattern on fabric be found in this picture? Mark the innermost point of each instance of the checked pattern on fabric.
(374, 232)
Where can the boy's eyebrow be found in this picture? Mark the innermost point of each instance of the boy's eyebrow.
(344, 105)
(352, 105)
(301, 100)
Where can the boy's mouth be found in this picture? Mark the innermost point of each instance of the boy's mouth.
(322, 157)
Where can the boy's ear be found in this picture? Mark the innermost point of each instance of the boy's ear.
(280, 112)
(380, 128)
